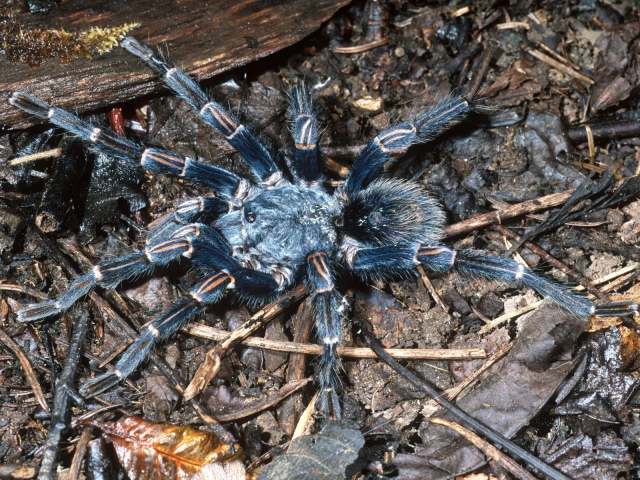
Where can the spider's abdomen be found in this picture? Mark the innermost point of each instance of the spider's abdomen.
(393, 212)
(281, 225)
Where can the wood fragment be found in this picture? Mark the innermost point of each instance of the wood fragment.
(292, 407)
(205, 38)
(513, 26)
(14, 287)
(53, 153)
(213, 358)
(29, 373)
(452, 393)
(78, 454)
(263, 404)
(62, 399)
(489, 450)
(211, 333)
(431, 289)
(306, 419)
(361, 48)
(515, 210)
(552, 62)
(17, 472)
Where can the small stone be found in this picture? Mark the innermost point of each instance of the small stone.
(399, 52)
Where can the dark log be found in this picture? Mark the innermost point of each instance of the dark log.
(205, 37)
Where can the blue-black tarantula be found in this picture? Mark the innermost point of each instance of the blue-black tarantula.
(259, 237)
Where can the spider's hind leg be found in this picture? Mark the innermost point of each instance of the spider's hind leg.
(208, 291)
(159, 251)
(478, 263)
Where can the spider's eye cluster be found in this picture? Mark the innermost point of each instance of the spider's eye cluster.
(249, 215)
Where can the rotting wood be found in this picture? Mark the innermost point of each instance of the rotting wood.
(203, 37)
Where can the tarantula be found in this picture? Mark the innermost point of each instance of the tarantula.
(260, 237)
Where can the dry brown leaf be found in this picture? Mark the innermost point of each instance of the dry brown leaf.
(161, 450)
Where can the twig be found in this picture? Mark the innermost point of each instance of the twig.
(485, 63)
(213, 358)
(14, 287)
(306, 419)
(264, 403)
(460, 415)
(543, 57)
(451, 393)
(53, 153)
(363, 47)
(489, 450)
(604, 131)
(431, 289)
(29, 373)
(78, 455)
(563, 267)
(62, 399)
(211, 333)
(497, 216)
(512, 26)
(291, 408)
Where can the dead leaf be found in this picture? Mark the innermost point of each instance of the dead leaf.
(161, 450)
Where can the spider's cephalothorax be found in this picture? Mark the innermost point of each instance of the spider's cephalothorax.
(258, 237)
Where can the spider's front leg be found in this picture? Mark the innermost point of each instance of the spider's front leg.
(156, 160)
(327, 310)
(256, 155)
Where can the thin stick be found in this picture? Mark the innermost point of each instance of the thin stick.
(78, 455)
(211, 333)
(489, 450)
(460, 415)
(53, 153)
(14, 287)
(497, 216)
(263, 404)
(29, 373)
(452, 393)
(431, 289)
(62, 400)
(552, 62)
(306, 419)
(512, 26)
(363, 47)
(213, 358)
